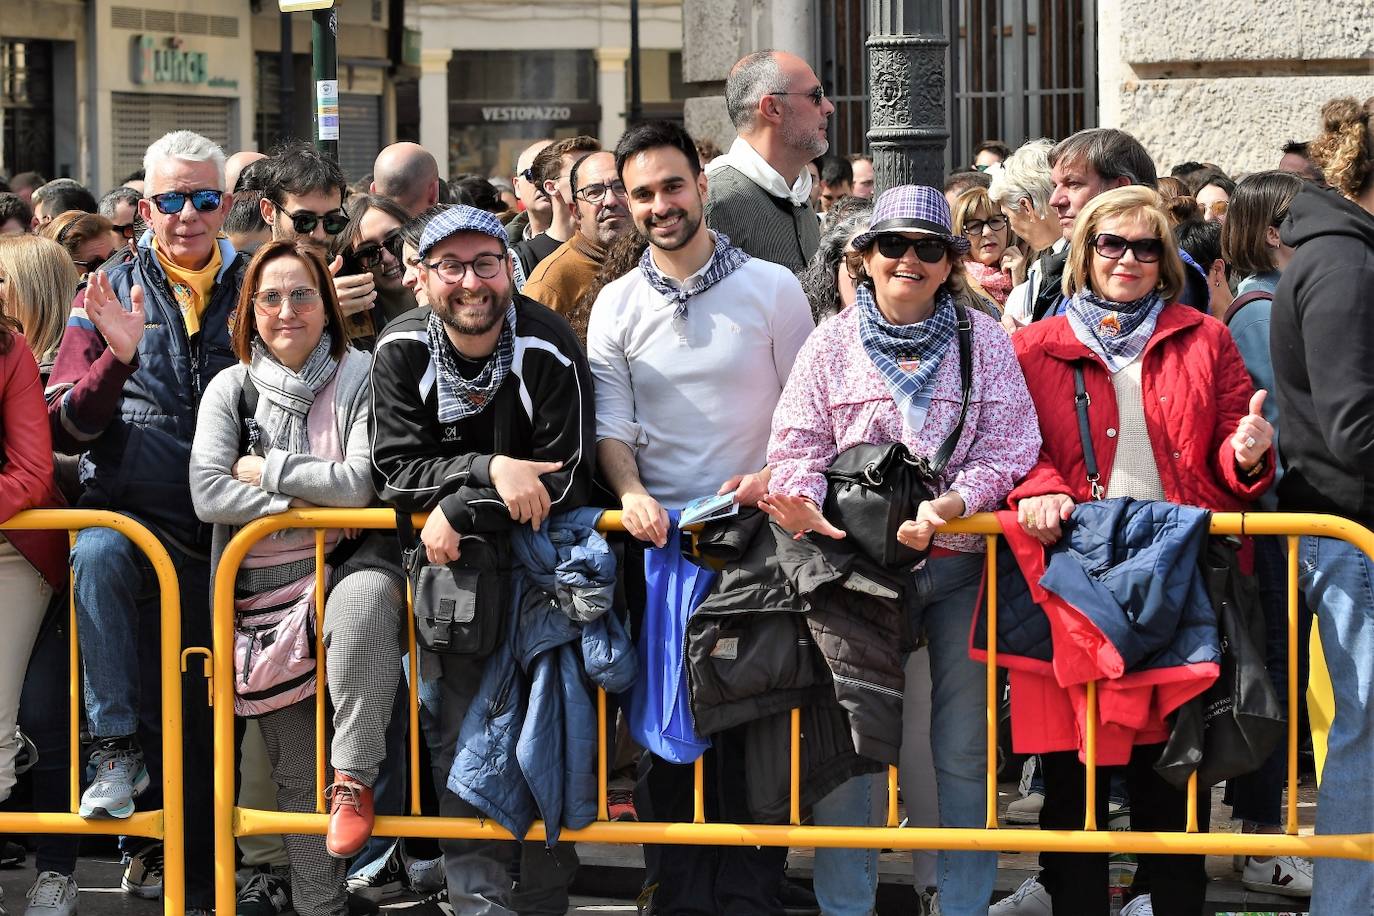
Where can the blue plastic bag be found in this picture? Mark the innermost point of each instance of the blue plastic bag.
(660, 714)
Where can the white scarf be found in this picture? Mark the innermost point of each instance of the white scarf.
(747, 161)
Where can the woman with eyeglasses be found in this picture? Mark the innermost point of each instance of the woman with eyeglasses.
(373, 243)
(288, 428)
(888, 369)
(995, 261)
(1172, 416)
(85, 236)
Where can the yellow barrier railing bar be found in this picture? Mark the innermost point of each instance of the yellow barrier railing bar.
(168, 823)
(249, 822)
(1292, 820)
(321, 729)
(994, 699)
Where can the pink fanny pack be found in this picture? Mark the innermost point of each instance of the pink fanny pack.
(274, 648)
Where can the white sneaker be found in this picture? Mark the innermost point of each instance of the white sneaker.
(1140, 906)
(52, 895)
(1030, 899)
(1287, 876)
(1026, 810)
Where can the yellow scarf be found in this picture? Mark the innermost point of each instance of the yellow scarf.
(190, 288)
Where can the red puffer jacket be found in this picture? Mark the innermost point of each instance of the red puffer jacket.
(26, 479)
(1195, 390)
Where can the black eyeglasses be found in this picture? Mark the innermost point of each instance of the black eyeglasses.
(304, 221)
(369, 254)
(452, 270)
(975, 226)
(929, 250)
(816, 95)
(596, 193)
(87, 266)
(1113, 247)
(125, 229)
(205, 200)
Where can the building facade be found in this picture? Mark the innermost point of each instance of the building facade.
(495, 76)
(87, 85)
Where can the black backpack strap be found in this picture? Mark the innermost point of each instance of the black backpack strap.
(1241, 302)
(250, 435)
(946, 450)
(1081, 401)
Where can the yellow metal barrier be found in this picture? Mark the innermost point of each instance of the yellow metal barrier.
(232, 821)
(167, 824)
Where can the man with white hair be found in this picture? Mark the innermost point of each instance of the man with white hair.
(143, 340)
(759, 192)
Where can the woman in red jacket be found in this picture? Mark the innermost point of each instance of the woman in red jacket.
(32, 563)
(1172, 417)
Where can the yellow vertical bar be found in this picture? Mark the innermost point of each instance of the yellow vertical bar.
(794, 769)
(413, 703)
(1292, 825)
(173, 767)
(990, 777)
(1090, 789)
(892, 796)
(320, 685)
(74, 697)
(601, 813)
(698, 792)
(1192, 803)
(222, 622)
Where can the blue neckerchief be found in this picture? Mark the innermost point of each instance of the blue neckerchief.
(907, 355)
(1116, 331)
(725, 260)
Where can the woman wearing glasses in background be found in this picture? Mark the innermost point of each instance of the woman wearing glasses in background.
(888, 370)
(86, 237)
(995, 262)
(372, 243)
(1173, 417)
(307, 446)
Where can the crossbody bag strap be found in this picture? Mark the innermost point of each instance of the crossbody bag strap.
(1081, 400)
(946, 450)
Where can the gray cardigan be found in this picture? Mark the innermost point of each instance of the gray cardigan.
(766, 227)
(229, 503)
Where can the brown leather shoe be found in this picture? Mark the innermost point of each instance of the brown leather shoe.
(350, 816)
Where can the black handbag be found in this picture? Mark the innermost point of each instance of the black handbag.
(460, 608)
(872, 489)
(1233, 727)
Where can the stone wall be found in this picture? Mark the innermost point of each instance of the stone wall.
(1225, 81)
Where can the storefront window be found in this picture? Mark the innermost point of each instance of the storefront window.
(26, 106)
(500, 101)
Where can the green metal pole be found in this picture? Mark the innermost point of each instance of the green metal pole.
(324, 27)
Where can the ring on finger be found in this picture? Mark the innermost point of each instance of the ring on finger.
(1031, 523)
(1249, 441)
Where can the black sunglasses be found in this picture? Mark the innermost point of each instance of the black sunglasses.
(929, 250)
(205, 200)
(1113, 247)
(369, 254)
(304, 222)
(816, 95)
(125, 229)
(88, 266)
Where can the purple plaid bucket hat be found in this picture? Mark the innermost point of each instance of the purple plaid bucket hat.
(912, 208)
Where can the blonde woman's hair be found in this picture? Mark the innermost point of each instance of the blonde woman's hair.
(40, 281)
(1131, 202)
(1345, 148)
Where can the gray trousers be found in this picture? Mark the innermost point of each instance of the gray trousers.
(479, 871)
(362, 625)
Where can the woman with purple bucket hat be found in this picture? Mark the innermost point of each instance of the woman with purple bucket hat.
(889, 370)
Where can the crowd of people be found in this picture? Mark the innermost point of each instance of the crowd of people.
(1102, 353)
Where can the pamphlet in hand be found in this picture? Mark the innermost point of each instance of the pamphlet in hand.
(708, 509)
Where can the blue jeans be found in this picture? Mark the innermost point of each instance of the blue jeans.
(119, 630)
(1338, 580)
(947, 590)
(846, 880)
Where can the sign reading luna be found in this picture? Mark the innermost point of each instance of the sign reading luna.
(166, 61)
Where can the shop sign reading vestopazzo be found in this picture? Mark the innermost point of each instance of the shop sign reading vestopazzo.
(167, 60)
(526, 113)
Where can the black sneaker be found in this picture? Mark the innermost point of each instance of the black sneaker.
(435, 904)
(12, 854)
(796, 899)
(266, 893)
(381, 880)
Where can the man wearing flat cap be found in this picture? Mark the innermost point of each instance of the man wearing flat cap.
(483, 418)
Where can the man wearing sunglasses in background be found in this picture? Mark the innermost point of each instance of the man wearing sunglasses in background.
(302, 200)
(759, 192)
(536, 208)
(563, 277)
(120, 207)
(143, 341)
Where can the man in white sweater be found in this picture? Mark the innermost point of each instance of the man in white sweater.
(689, 352)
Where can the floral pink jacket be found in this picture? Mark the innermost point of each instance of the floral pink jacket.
(835, 399)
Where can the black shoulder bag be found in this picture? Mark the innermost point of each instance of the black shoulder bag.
(872, 489)
(460, 607)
